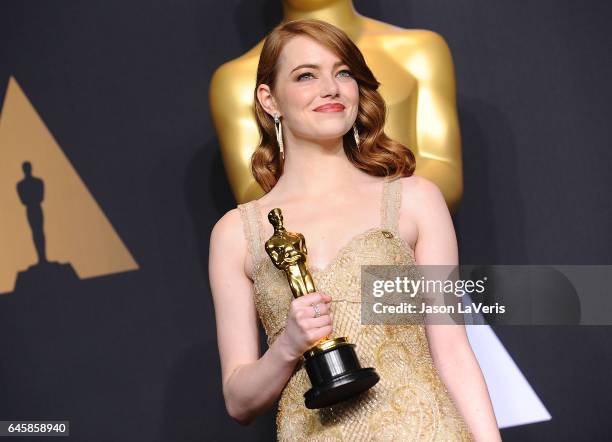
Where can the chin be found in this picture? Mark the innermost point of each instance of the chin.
(328, 131)
(327, 135)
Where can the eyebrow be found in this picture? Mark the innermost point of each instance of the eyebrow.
(316, 66)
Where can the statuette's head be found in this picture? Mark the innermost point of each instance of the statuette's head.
(275, 217)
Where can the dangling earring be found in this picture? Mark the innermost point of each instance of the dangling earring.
(356, 135)
(279, 135)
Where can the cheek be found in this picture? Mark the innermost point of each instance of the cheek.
(352, 92)
(297, 98)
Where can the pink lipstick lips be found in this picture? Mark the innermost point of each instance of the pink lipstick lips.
(330, 107)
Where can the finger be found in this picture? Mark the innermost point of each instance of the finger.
(310, 298)
(310, 312)
(324, 297)
(313, 324)
(321, 332)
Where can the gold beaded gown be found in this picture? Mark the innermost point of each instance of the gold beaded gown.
(410, 402)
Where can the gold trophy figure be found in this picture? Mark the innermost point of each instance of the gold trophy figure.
(332, 365)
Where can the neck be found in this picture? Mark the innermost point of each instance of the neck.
(339, 13)
(315, 169)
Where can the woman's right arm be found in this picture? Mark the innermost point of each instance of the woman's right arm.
(251, 384)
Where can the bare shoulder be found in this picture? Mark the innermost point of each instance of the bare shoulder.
(421, 198)
(227, 223)
(419, 187)
(226, 237)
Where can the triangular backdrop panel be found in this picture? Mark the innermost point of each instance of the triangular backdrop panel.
(76, 229)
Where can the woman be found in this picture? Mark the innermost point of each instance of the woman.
(326, 162)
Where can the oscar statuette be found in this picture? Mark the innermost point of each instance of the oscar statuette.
(331, 364)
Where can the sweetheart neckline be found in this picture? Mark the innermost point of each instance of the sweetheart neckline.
(341, 250)
(315, 270)
(381, 227)
(318, 271)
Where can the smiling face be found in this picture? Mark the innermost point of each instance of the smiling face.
(315, 92)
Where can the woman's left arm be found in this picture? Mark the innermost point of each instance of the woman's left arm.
(448, 344)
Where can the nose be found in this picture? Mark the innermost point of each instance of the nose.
(329, 86)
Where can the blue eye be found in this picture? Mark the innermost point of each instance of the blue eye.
(302, 75)
(309, 74)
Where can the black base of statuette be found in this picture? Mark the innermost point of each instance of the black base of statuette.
(336, 375)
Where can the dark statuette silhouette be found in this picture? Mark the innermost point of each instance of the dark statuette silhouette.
(43, 275)
(31, 192)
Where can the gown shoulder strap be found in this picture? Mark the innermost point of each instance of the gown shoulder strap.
(391, 204)
(251, 226)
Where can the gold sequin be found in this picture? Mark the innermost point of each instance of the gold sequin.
(410, 402)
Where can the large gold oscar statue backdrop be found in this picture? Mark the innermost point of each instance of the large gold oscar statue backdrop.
(416, 73)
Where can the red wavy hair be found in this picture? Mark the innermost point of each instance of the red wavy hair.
(377, 155)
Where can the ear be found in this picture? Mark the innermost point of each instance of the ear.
(264, 95)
